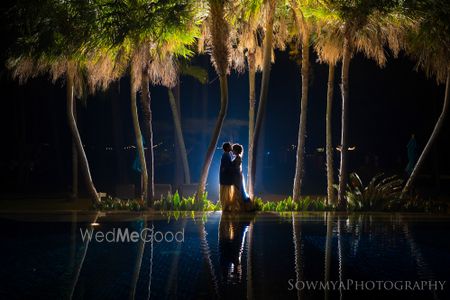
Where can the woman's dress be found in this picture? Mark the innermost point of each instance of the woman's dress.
(241, 197)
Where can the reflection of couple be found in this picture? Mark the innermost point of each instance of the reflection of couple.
(233, 196)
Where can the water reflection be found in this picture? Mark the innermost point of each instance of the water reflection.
(235, 234)
(225, 256)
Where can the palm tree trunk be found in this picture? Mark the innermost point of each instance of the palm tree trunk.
(74, 160)
(117, 125)
(180, 138)
(139, 143)
(329, 142)
(148, 133)
(302, 126)
(431, 140)
(215, 136)
(342, 203)
(251, 118)
(77, 139)
(268, 40)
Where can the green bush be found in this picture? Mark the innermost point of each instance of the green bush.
(173, 202)
(381, 193)
(110, 203)
(286, 205)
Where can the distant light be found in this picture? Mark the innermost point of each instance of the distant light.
(268, 153)
(95, 224)
(320, 149)
(338, 148)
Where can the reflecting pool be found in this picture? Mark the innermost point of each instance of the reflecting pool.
(78, 255)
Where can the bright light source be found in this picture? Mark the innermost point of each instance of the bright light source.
(95, 224)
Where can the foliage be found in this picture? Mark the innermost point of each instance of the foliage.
(379, 194)
(173, 202)
(110, 203)
(305, 204)
(429, 45)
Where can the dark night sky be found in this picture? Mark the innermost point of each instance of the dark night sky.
(386, 106)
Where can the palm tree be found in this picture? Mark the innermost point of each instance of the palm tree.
(49, 42)
(329, 141)
(305, 26)
(367, 27)
(218, 41)
(201, 75)
(264, 91)
(430, 46)
(248, 27)
(148, 38)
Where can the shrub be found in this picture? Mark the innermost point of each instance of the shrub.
(110, 203)
(173, 202)
(380, 194)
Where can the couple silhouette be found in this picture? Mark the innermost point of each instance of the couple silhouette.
(233, 196)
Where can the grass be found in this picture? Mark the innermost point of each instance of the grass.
(173, 202)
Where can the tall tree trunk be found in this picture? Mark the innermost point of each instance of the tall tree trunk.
(79, 145)
(431, 140)
(180, 138)
(329, 142)
(121, 176)
(302, 126)
(251, 118)
(215, 136)
(342, 202)
(148, 133)
(178, 165)
(268, 41)
(139, 143)
(74, 160)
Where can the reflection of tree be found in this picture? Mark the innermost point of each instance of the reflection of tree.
(339, 233)
(204, 246)
(328, 243)
(249, 261)
(83, 257)
(424, 272)
(138, 263)
(151, 266)
(172, 278)
(297, 252)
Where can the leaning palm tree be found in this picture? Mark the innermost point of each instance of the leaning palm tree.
(430, 47)
(217, 40)
(264, 91)
(49, 41)
(201, 75)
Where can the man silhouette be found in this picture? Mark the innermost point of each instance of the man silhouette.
(226, 177)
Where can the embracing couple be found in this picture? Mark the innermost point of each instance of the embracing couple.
(233, 196)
